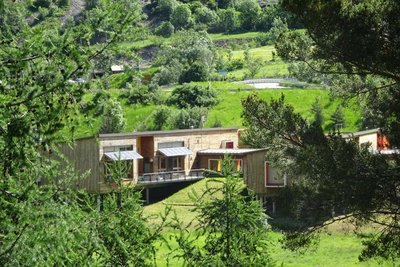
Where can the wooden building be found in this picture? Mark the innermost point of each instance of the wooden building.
(151, 158)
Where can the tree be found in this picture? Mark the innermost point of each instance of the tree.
(249, 11)
(228, 19)
(329, 175)
(166, 29)
(181, 18)
(197, 72)
(253, 67)
(232, 222)
(44, 219)
(166, 8)
(161, 116)
(316, 110)
(337, 118)
(188, 95)
(204, 15)
(357, 53)
(113, 120)
(185, 49)
(189, 118)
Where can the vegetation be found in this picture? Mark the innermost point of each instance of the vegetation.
(51, 91)
(354, 55)
(235, 230)
(188, 95)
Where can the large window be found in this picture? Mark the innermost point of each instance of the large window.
(122, 168)
(170, 164)
(214, 164)
(237, 165)
(177, 163)
(162, 164)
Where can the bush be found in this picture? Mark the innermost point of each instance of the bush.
(166, 29)
(189, 118)
(139, 95)
(169, 74)
(197, 72)
(113, 118)
(205, 16)
(181, 18)
(189, 95)
(165, 8)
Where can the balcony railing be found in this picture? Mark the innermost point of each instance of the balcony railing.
(172, 176)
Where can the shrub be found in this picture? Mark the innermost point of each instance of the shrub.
(165, 8)
(197, 72)
(181, 17)
(166, 29)
(113, 118)
(139, 95)
(189, 118)
(189, 95)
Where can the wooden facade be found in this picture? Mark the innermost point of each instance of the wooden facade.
(88, 155)
(260, 175)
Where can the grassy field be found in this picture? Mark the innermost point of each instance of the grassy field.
(224, 36)
(228, 110)
(271, 69)
(337, 247)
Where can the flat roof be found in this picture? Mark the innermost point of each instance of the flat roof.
(167, 132)
(360, 133)
(232, 151)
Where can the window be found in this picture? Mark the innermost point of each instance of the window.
(162, 164)
(117, 148)
(123, 168)
(170, 144)
(176, 163)
(237, 165)
(214, 165)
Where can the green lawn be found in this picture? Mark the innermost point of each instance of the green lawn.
(229, 109)
(271, 69)
(224, 36)
(336, 248)
(262, 52)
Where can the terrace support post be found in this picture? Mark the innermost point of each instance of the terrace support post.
(147, 195)
(273, 207)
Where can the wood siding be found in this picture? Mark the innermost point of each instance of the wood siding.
(84, 154)
(196, 141)
(254, 174)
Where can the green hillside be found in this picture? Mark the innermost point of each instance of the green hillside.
(339, 246)
(228, 110)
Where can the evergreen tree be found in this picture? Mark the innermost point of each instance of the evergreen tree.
(337, 118)
(316, 110)
(234, 226)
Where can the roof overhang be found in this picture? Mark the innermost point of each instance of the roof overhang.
(123, 155)
(175, 151)
(230, 151)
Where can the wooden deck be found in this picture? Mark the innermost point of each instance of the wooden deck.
(160, 178)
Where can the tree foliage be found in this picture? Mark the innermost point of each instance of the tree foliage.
(328, 175)
(187, 96)
(233, 224)
(353, 45)
(113, 120)
(44, 219)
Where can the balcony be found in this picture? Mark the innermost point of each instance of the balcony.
(170, 177)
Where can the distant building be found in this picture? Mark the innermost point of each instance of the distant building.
(117, 68)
